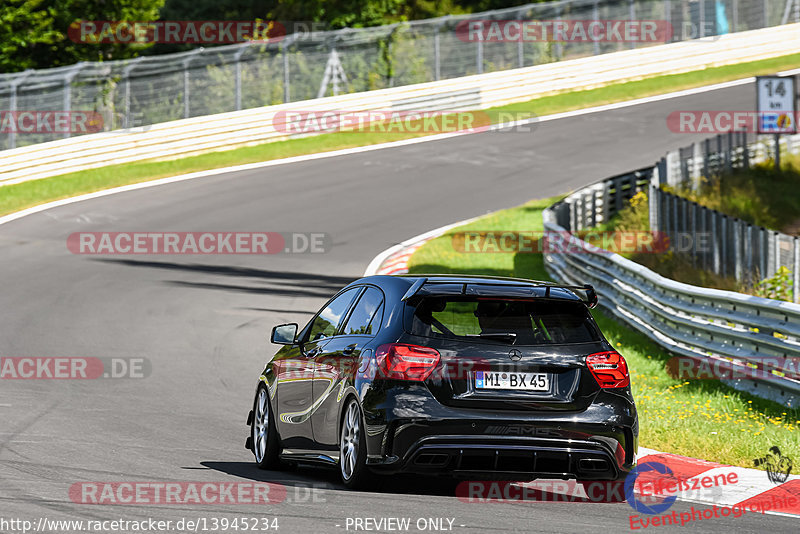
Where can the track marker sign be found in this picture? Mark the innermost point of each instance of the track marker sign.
(775, 103)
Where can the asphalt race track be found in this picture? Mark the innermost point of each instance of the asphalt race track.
(201, 322)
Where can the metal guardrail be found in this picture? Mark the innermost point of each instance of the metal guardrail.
(155, 89)
(248, 127)
(731, 330)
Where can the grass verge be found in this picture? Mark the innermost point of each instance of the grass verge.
(700, 419)
(27, 194)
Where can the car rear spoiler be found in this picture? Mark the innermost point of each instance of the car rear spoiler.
(585, 293)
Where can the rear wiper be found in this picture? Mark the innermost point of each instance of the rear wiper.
(505, 336)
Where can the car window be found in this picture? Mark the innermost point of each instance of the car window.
(532, 322)
(328, 320)
(367, 313)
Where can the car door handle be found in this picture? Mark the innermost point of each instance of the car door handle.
(349, 349)
(313, 352)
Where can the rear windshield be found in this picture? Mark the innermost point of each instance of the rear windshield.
(532, 322)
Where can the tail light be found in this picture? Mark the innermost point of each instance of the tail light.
(609, 369)
(406, 362)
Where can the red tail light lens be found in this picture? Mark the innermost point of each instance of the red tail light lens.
(609, 369)
(406, 362)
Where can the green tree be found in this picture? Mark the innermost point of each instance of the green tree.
(35, 33)
(24, 24)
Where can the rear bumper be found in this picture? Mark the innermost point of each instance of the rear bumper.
(505, 458)
(599, 443)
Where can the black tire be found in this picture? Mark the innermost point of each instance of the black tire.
(265, 439)
(353, 448)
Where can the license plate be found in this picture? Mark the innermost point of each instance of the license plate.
(513, 381)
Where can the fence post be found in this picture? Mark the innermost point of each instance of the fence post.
(748, 243)
(596, 17)
(520, 43)
(729, 154)
(287, 94)
(632, 17)
(706, 236)
(693, 231)
(672, 156)
(186, 91)
(238, 81)
(723, 227)
(573, 216)
(653, 204)
(668, 18)
(479, 56)
(796, 271)
(734, 16)
(12, 106)
(702, 19)
(67, 102)
(697, 157)
(763, 253)
(126, 76)
(737, 248)
(437, 65)
(776, 243)
(559, 51)
(715, 242)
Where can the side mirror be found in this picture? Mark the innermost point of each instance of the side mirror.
(591, 296)
(284, 334)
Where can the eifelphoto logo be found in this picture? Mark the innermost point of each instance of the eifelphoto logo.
(301, 122)
(778, 466)
(73, 368)
(654, 505)
(192, 243)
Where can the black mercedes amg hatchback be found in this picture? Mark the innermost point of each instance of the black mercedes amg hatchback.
(463, 376)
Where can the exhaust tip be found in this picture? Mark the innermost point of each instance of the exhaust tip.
(593, 465)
